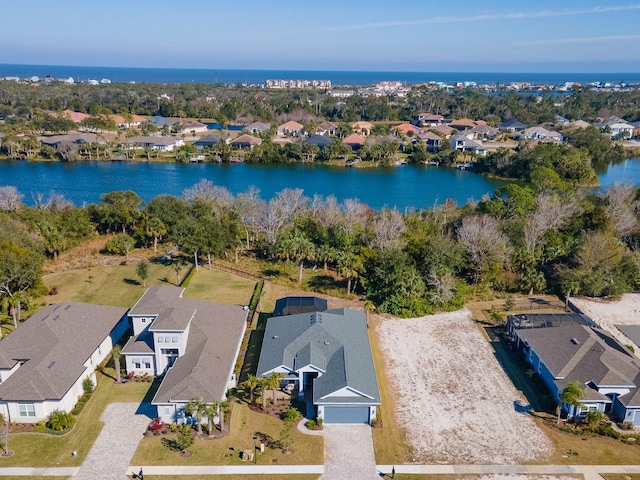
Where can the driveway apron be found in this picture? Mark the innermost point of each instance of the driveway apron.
(111, 454)
(348, 453)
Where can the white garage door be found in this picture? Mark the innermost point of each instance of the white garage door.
(346, 414)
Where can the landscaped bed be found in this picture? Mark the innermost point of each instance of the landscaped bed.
(451, 395)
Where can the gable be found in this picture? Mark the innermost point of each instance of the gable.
(346, 392)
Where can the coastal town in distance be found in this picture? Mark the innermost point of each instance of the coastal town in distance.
(340, 241)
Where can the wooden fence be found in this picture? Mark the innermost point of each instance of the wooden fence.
(235, 271)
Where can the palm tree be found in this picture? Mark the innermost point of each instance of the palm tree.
(116, 353)
(13, 305)
(274, 382)
(570, 395)
(349, 263)
(264, 386)
(211, 410)
(223, 407)
(252, 382)
(156, 229)
(196, 408)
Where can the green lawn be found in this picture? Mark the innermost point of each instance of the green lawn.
(43, 450)
(217, 286)
(245, 424)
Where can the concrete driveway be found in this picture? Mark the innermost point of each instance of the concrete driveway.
(109, 458)
(348, 453)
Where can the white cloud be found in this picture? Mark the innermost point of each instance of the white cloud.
(610, 38)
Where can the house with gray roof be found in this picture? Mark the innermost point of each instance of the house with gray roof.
(45, 360)
(607, 372)
(512, 125)
(327, 358)
(192, 344)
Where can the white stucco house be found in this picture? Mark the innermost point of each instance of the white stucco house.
(192, 344)
(45, 360)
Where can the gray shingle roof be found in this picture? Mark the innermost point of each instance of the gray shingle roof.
(54, 344)
(335, 341)
(203, 371)
(164, 301)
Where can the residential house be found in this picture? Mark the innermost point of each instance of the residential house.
(354, 140)
(193, 344)
(512, 125)
(464, 144)
(44, 362)
(291, 127)
(327, 128)
(362, 128)
(405, 129)
(76, 117)
(245, 141)
(326, 357)
(190, 128)
(77, 138)
(607, 372)
(429, 120)
(320, 141)
(161, 122)
(482, 132)
(444, 130)
(432, 141)
(463, 124)
(580, 124)
(621, 129)
(129, 121)
(211, 140)
(258, 127)
(538, 132)
(155, 143)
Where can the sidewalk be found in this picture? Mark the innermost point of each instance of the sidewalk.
(231, 470)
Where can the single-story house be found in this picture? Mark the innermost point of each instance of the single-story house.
(290, 128)
(362, 128)
(320, 141)
(77, 138)
(76, 117)
(45, 360)
(193, 344)
(156, 143)
(245, 141)
(295, 305)
(190, 127)
(327, 128)
(211, 140)
(541, 132)
(481, 132)
(607, 372)
(161, 122)
(512, 125)
(354, 140)
(327, 358)
(258, 127)
(463, 124)
(621, 129)
(132, 121)
(443, 129)
(405, 129)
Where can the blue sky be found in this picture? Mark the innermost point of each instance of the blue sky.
(399, 35)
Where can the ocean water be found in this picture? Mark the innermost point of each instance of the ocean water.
(189, 75)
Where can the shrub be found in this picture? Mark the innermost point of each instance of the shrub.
(156, 425)
(53, 290)
(631, 348)
(79, 406)
(311, 424)
(509, 303)
(608, 431)
(594, 417)
(187, 279)
(40, 427)
(184, 439)
(625, 425)
(87, 386)
(631, 438)
(60, 421)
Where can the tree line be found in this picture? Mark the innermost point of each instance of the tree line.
(533, 238)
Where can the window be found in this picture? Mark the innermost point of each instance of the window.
(27, 409)
(144, 320)
(167, 339)
(136, 363)
(167, 411)
(147, 364)
(174, 339)
(160, 339)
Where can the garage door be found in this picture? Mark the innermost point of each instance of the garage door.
(346, 414)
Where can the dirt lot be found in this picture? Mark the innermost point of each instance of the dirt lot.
(456, 403)
(625, 311)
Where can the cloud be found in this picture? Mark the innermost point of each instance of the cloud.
(479, 18)
(610, 38)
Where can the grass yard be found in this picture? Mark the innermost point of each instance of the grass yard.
(245, 424)
(388, 442)
(44, 450)
(217, 286)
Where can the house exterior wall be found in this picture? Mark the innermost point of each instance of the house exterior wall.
(144, 360)
(177, 341)
(141, 323)
(6, 373)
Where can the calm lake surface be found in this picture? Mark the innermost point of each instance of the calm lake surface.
(402, 187)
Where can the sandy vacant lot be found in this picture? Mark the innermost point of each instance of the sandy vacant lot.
(454, 400)
(625, 311)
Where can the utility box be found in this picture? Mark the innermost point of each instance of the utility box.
(262, 448)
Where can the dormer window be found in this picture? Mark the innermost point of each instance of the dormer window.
(160, 339)
(144, 320)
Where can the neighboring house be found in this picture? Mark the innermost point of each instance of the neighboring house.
(132, 121)
(428, 120)
(292, 128)
(354, 140)
(607, 372)
(464, 144)
(295, 305)
(562, 121)
(258, 127)
(190, 127)
(362, 128)
(533, 133)
(482, 132)
(245, 141)
(77, 138)
(327, 128)
(463, 124)
(580, 124)
(621, 129)
(193, 344)
(432, 141)
(445, 130)
(76, 117)
(156, 143)
(210, 140)
(512, 125)
(327, 358)
(405, 129)
(320, 141)
(45, 360)
(161, 122)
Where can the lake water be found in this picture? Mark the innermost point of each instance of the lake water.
(402, 187)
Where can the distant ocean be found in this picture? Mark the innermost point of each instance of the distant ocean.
(189, 75)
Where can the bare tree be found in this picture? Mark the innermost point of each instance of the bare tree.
(551, 213)
(10, 198)
(443, 287)
(484, 241)
(217, 197)
(620, 209)
(355, 213)
(55, 201)
(388, 228)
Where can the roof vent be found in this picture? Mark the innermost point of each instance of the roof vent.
(274, 337)
(52, 364)
(326, 342)
(56, 317)
(67, 307)
(575, 341)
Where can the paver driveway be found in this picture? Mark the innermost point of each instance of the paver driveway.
(124, 424)
(348, 453)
